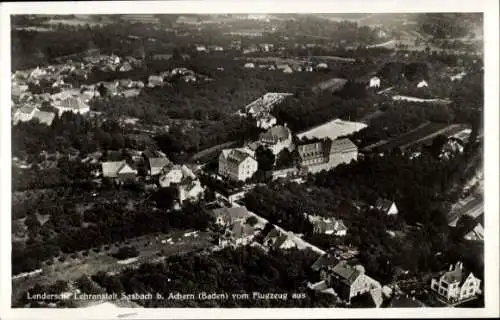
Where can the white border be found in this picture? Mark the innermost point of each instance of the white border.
(491, 160)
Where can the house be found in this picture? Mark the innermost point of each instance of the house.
(174, 174)
(422, 84)
(228, 216)
(238, 233)
(37, 73)
(458, 76)
(190, 189)
(374, 82)
(349, 281)
(249, 65)
(119, 170)
(130, 93)
(387, 207)
(24, 114)
(237, 164)
(328, 226)
(72, 104)
(476, 234)
(125, 67)
(189, 78)
(278, 240)
(325, 154)
(58, 83)
(44, 117)
(276, 139)
(322, 66)
(456, 284)
(156, 164)
(187, 184)
(154, 81)
(309, 69)
(371, 299)
(215, 48)
(201, 48)
(325, 262)
(285, 68)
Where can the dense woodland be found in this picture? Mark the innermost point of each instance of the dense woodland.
(419, 187)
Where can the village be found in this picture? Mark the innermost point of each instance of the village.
(219, 182)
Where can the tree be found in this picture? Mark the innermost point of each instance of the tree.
(103, 91)
(265, 158)
(252, 221)
(126, 252)
(165, 197)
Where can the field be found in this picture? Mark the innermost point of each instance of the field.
(415, 99)
(151, 247)
(332, 85)
(333, 129)
(421, 135)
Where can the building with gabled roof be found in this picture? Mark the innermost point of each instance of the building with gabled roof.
(348, 280)
(456, 284)
(276, 139)
(156, 165)
(228, 216)
(386, 206)
(237, 164)
(72, 104)
(328, 226)
(277, 239)
(476, 234)
(326, 154)
(119, 170)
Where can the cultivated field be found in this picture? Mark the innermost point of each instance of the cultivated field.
(332, 85)
(70, 267)
(421, 135)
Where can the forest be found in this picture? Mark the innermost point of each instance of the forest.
(419, 187)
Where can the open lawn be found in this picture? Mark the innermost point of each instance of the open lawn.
(333, 129)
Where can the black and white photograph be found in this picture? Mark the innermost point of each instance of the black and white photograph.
(288, 160)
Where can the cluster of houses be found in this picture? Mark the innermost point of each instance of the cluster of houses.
(287, 67)
(159, 170)
(185, 74)
(27, 106)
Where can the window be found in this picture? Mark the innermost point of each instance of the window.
(444, 285)
(471, 284)
(471, 290)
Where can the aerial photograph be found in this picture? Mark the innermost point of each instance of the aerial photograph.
(247, 160)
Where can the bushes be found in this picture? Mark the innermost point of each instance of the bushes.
(125, 253)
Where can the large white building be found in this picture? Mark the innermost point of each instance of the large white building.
(326, 154)
(456, 284)
(237, 164)
(72, 104)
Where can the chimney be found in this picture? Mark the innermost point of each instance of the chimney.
(451, 267)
